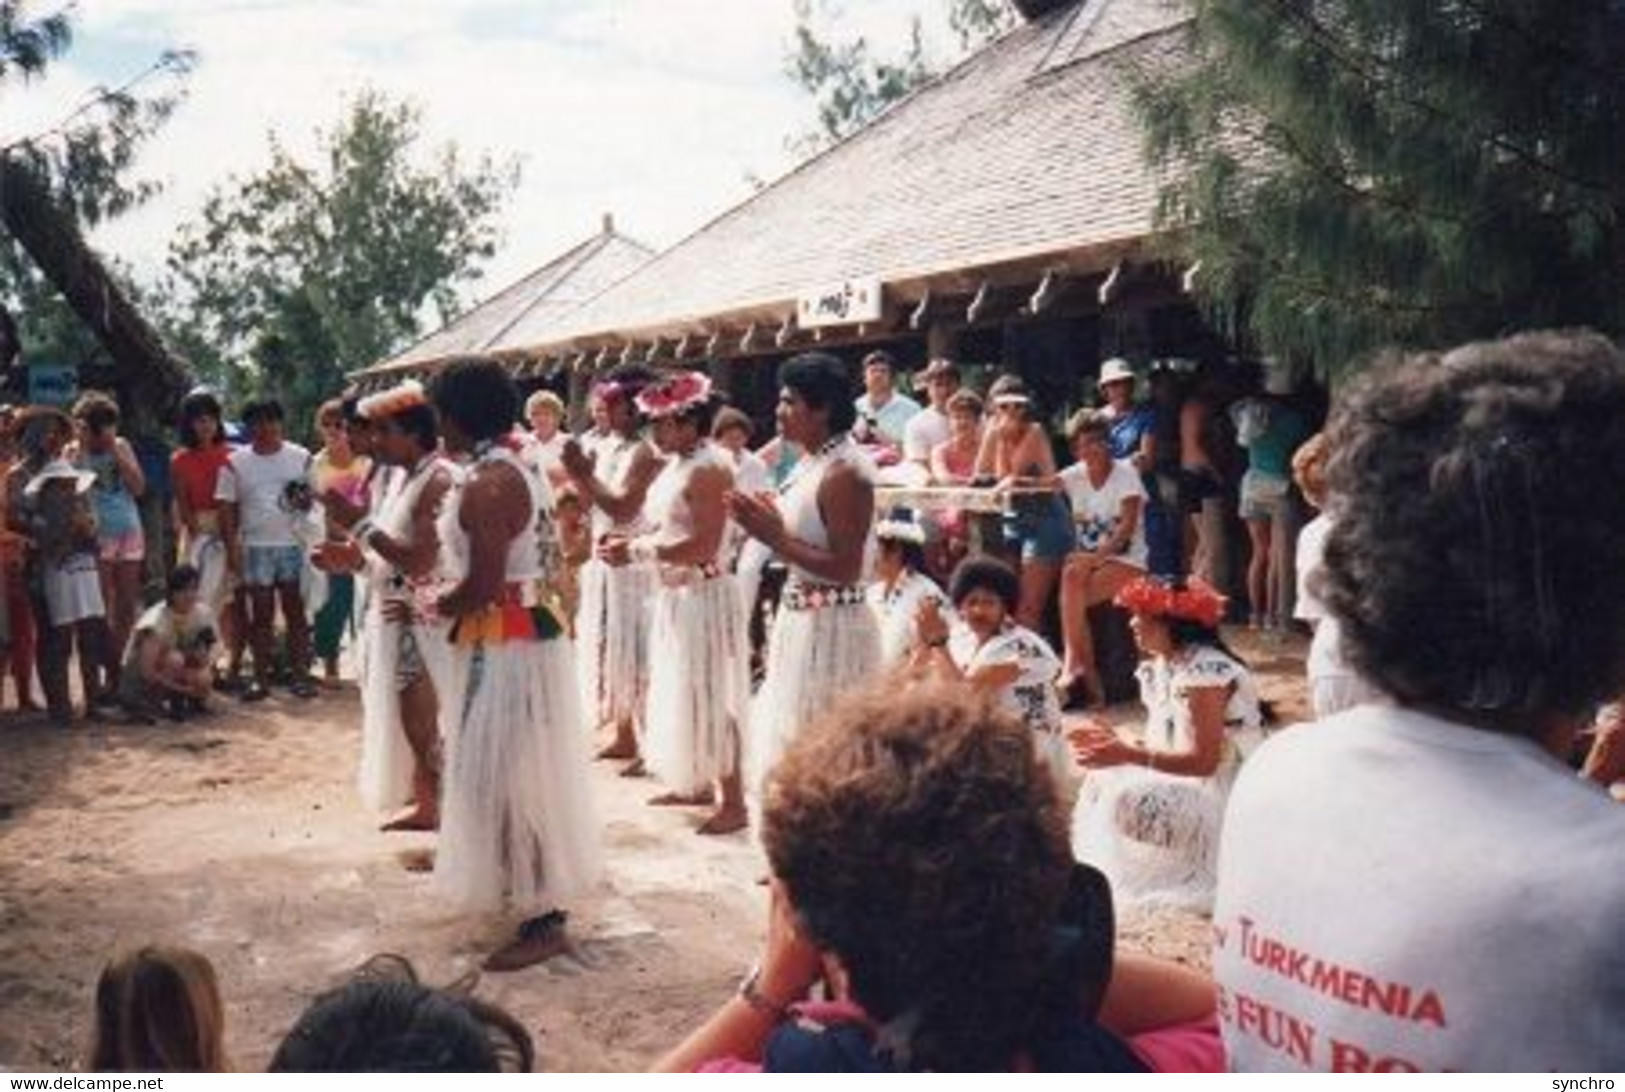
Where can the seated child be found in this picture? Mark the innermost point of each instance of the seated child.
(170, 658)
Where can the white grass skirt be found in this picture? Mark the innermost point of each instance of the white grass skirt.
(1154, 835)
(518, 827)
(612, 625)
(385, 776)
(387, 761)
(814, 657)
(699, 684)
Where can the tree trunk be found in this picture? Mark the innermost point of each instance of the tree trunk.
(150, 379)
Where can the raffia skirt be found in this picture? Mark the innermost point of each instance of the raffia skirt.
(699, 684)
(385, 775)
(518, 829)
(814, 657)
(612, 625)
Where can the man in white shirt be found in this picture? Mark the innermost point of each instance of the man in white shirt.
(1426, 885)
(889, 411)
(265, 500)
(928, 428)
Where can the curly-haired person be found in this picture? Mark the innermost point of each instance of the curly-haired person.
(1424, 885)
(921, 870)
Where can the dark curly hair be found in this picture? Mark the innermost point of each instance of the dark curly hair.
(1473, 557)
(982, 573)
(820, 380)
(921, 841)
(478, 396)
(386, 1021)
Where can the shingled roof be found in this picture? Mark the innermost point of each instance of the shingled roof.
(1027, 152)
(1028, 148)
(523, 312)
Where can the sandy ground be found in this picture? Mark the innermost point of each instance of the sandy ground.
(242, 836)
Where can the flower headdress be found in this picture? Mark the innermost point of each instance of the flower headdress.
(673, 395)
(1193, 601)
(397, 399)
(901, 526)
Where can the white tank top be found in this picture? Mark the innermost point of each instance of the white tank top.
(616, 457)
(667, 507)
(798, 501)
(527, 553)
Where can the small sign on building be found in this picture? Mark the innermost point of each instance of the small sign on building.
(53, 384)
(844, 304)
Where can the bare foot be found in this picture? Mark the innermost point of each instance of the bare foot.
(636, 769)
(700, 799)
(725, 820)
(413, 818)
(618, 751)
(416, 860)
(539, 940)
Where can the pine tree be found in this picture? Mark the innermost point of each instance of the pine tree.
(1354, 174)
(852, 85)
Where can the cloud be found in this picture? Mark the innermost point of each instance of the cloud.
(657, 110)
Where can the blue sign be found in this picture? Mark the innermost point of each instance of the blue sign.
(53, 384)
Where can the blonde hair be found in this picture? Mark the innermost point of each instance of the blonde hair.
(158, 1010)
(1309, 469)
(544, 398)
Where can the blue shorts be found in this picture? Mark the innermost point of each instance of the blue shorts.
(268, 566)
(1044, 534)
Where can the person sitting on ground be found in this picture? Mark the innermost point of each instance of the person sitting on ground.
(921, 870)
(1333, 685)
(1436, 846)
(1150, 813)
(386, 1021)
(900, 584)
(170, 658)
(158, 1010)
(1108, 501)
(995, 654)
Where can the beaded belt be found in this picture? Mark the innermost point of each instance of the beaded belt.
(799, 595)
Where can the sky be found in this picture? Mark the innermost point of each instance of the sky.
(658, 111)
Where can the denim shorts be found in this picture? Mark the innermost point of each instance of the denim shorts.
(268, 566)
(1044, 533)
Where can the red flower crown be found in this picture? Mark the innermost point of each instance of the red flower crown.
(1194, 601)
(669, 397)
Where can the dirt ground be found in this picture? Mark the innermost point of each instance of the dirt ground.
(242, 836)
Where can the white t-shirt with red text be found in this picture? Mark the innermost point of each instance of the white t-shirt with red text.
(1397, 892)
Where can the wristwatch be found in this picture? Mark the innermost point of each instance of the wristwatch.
(750, 995)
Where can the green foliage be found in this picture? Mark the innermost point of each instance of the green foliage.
(86, 161)
(304, 272)
(1355, 174)
(851, 86)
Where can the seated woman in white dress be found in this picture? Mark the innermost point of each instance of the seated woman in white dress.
(1149, 813)
(989, 650)
(901, 584)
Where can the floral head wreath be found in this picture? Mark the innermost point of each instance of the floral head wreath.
(1194, 601)
(397, 399)
(900, 529)
(674, 395)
